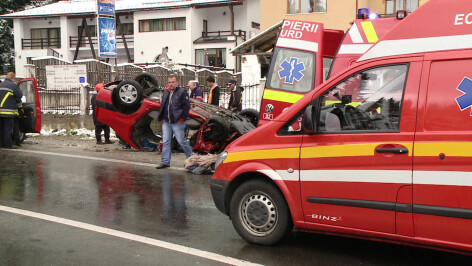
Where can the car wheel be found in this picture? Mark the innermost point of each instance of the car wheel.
(127, 96)
(148, 82)
(252, 115)
(259, 213)
(219, 129)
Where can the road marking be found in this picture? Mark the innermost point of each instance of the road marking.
(95, 158)
(137, 238)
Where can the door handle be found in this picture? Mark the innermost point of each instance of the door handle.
(399, 150)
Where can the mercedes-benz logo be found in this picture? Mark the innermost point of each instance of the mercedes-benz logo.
(269, 108)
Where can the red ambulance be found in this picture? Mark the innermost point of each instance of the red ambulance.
(306, 54)
(394, 167)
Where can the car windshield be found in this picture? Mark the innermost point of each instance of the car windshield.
(292, 70)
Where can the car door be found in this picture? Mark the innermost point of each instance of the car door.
(30, 122)
(353, 168)
(442, 176)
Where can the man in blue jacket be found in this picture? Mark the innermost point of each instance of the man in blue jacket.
(10, 102)
(175, 106)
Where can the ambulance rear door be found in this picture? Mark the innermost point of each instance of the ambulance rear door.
(30, 122)
(296, 67)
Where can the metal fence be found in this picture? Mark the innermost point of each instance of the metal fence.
(60, 101)
(67, 100)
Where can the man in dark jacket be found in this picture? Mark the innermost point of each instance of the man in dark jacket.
(99, 126)
(175, 106)
(196, 93)
(235, 100)
(10, 102)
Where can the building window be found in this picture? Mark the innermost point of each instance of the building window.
(128, 29)
(306, 6)
(92, 29)
(47, 37)
(165, 24)
(392, 6)
(214, 57)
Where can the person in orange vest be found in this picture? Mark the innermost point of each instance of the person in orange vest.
(214, 97)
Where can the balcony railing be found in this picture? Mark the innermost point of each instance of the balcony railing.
(73, 40)
(41, 43)
(215, 36)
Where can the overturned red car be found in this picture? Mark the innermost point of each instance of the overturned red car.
(129, 107)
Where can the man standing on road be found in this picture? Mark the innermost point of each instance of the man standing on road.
(175, 106)
(196, 92)
(99, 126)
(10, 102)
(235, 100)
(214, 97)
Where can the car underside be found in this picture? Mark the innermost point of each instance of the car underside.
(130, 106)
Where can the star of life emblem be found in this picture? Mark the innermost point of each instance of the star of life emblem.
(291, 70)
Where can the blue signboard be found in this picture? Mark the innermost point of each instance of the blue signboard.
(106, 7)
(107, 37)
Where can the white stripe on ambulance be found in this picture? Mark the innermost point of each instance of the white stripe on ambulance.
(419, 45)
(447, 178)
(298, 44)
(355, 34)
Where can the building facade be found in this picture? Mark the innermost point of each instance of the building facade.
(334, 14)
(201, 32)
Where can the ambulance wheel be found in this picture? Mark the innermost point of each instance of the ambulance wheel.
(259, 213)
(148, 82)
(252, 115)
(219, 129)
(127, 96)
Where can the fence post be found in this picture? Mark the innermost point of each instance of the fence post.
(84, 102)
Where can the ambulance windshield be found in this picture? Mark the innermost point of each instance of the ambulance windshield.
(292, 70)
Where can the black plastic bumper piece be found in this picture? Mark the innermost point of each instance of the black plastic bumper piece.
(218, 191)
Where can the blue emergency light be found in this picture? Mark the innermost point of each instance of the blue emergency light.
(363, 13)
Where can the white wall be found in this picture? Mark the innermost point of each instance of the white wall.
(147, 45)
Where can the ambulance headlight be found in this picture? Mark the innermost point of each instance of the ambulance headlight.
(221, 157)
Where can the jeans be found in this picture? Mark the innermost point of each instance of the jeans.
(168, 131)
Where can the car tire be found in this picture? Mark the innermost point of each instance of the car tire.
(259, 213)
(252, 115)
(148, 82)
(219, 129)
(127, 96)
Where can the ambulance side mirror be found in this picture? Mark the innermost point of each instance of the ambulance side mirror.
(309, 119)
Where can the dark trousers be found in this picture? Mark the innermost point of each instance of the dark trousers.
(6, 131)
(98, 132)
(16, 130)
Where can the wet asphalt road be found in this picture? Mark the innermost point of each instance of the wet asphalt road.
(167, 205)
